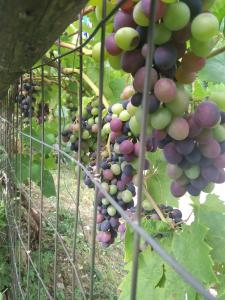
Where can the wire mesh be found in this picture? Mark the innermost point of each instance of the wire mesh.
(20, 202)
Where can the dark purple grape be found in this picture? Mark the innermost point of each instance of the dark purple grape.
(195, 7)
(126, 179)
(131, 188)
(114, 222)
(222, 146)
(210, 173)
(121, 185)
(221, 178)
(121, 138)
(205, 162)
(170, 73)
(154, 103)
(131, 61)
(175, 213)
(128, 170)
(185, 147)
(165, 57)
(108, 118)
(211, 149)
(219, 162)
(105, 225)
(199, 183)
(143, 34)
(177, 190)
(193, 191)
(136, 99)
(126, 128)
(184, 164)
(195, 156)
(111, 46)
(105, 165)
(125, 103)
(171, 154)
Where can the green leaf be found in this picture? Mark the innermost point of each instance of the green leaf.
(149, 275)
(218, 9)
(214, 69)
(158, 185)
(211, 214)
(192, 252)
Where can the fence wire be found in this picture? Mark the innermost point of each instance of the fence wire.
(22, 209)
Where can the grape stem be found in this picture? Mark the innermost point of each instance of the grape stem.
(216, 52)
(73, 47)
(155, 206)
(108, 146)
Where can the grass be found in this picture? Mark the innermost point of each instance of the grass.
(109, 262)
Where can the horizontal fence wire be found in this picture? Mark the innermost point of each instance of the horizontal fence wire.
(12, 137)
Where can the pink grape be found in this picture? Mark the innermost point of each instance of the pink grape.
(165, 90)
(139, 79)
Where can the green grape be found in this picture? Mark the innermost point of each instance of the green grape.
(209, 188)
(219, 133)
(127, 38)
(146, 205)
(162, 34)
(135, 126)
(111, 211)
(161, 118)
(177, 16)
(94, 111)
(180, 104)
(131, 109)
(201, 49)
(105, 201)
(117, 108)
(85, 135)
(193, 172)
(218, 98)
(115, 61)
(124, 116)
(115, 168)
(96, 50)
(112, 189)
(127, 196)
(204, 27)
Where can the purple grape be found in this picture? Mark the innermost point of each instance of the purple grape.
(207, 114)
(194, 128)
(193, 191)
(139, 79)
(210, 173)
(175, 213)
(205, 162)
(136, 99)
(131, 61)
(122, 228)
(111, 46)
(177, 190)
(129, 157)
(222, 146)
(143, 33)
(195, 156)
(123, 19)
(128, 170)
(184, 164)
(185, 147)
(221, 178)
(121, 185)
(219, 162)
(114, 222)
(105, 237)
(105, 225)
(126, 147)
(199, 183)
(121, 138)
(126, 179)
(154, 103)
(108, 174)
(116, 125)
(165, 57)
(211, 149)
(171, 154)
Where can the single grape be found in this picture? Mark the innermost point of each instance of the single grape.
(178, 129)
(127, 196)
(162, 34)
(180, 103)
(174, 171)
(139, 79)
(207, 114)
(165, 56)
(204, 27)
(177, 190)
(171, 154)
(193, 172)
(127, 38)
(111, 211)
(123, 19)
(186, 146)
(116, 125)
(126, 147)
(165, 90)
(177, 16)
(132, 61)
(211, 149)
(139, 15)
(161, 118)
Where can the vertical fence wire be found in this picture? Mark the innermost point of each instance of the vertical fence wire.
(98, 155)
(13, 128)
(58, 171)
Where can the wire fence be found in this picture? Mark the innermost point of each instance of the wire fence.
(26, 216)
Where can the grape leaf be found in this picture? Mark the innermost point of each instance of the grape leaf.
(48, 184)
(193, 252)
(221, 290)
(158, 185)
(212, 215)
(218, 9)
(214, 69)
(149, 275)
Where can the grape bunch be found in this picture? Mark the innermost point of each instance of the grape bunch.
(194, 147)
(89, 129)
(26, 100)
(118, 174)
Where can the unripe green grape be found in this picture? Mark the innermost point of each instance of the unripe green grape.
(177, 16)
(192, 172)
(219, 133)
(127, 38)
(127, 196)
(161, 118)
(124, 116)
(135, 126)
(116, 148)
(105, 186)
(73, 138)
(201, 49)
(95, 103)
(204, 27)
(116, 169)
(106, 129)
(91, 121)
(94, 111)
(85, 135)
(115, 61)
(131, 109)
(218, 97)
(105, 201)
(162, 34)
(117, 108)
(112, 189)
(209, 188)
(146, 205)
(111, 211)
